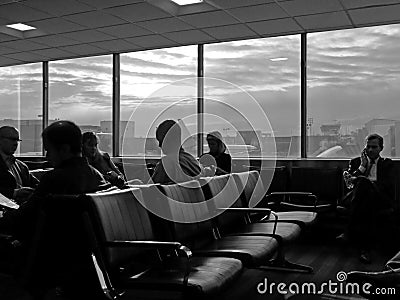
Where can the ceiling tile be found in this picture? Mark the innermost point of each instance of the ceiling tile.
(54, 40)
(6, 61)
(108, 3)
(273, 27)
(23, 45)
(17, 12)
(125, 30)
(88, 36)
(259, 12)
(4, 21)
(151, 41)
(236, 3)
(59, 7)
(230, 32)
(53, 53)
(84, 49)
(95, 19)
(365, 3)
(4, 50)
(324, 21)
(25, 56)
(116, 46)
(165, 25)
(5, 37)
(189, 37)
(209, 19)
(308, 7)
(138, 12)
(56, 25)
(375, 15)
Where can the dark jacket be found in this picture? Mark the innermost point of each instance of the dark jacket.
(385, 174)
(73, 176)
(7, 180)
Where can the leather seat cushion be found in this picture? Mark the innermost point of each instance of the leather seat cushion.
(208, 275)
(307, 217)
(251, 250)
(288, 231)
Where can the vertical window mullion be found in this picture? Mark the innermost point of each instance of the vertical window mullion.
(45, 97)
(303, 95)
(200, 98)
(116, 108)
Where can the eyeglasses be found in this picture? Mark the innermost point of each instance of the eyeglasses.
(12, 138)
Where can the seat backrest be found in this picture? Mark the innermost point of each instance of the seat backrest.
(222, 192)
(251, 186)
(325, 183)
(59, 252)
(190, 213)
(119, 215)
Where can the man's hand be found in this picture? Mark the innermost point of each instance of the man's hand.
(364, 158)
(22, 194)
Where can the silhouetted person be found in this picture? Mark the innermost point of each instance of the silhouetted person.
(101, 160)
(373, 180)
(15, 180)
(217, 155)
(176, 165)
(59, 261)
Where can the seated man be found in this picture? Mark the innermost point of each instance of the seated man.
(373, 179)
(71, 175)
(176, 165)
(15, 180)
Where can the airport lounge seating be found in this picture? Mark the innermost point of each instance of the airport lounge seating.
(136, 261)
(227, 197)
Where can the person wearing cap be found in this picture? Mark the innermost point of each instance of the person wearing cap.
(217, 155)
(15, 180)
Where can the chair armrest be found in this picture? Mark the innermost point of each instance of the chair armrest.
(152, 244)
(255, 210)
(297, 194)
(178, 247)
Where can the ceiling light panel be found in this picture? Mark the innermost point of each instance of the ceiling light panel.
(21, 27)
(186, 2)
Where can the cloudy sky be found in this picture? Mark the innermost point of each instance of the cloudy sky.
(353, 77)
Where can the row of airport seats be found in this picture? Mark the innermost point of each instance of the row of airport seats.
(197, 249)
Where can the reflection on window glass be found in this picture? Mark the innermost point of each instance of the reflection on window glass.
(81, 91)
(157, 85)
(353, 90)
(252, 95)
(21, 105)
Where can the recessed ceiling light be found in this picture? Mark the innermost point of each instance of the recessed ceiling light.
(186, 2)
(278, 59)
(21, 27)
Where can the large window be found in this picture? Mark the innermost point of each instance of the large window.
(252, 95)
(353, 90)
(81, 91)
(157, 85)
(21, 104)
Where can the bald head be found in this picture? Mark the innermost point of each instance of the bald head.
(9, 138)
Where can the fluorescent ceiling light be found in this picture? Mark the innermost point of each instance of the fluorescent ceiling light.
(278, 59)
(21, 27)
(186, 2)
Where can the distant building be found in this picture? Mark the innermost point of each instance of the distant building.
(330, 129)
